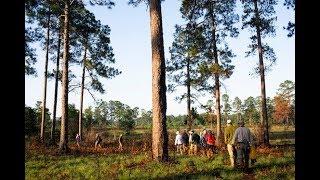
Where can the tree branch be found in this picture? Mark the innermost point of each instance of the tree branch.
(91, 94)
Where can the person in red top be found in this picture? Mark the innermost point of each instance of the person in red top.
(210, 141)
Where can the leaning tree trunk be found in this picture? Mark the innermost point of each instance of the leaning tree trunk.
(159, 104)
(217, 83)
(53, 127)
(63, 145)
(82, 90)
(263, 112)
(190, 118)
(43, 114)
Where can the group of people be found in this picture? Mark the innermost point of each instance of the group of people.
(241, 145)
(98, 141)
(239, 140)
(205, 141)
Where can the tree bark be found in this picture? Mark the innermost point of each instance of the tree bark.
(53, 127)
(63, 145)
(43, 114)
(217, 82)
(190, 118)
(82, 91)
(263, 112)
(159, 104)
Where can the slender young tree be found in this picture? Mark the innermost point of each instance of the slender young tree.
(159, 104)
(185, 56)
(56, 84)
(259, 17)
(95, 40)
(218, 23)
(40, 11)
(44, 102)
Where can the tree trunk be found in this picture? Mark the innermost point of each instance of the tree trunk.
(43, 114)
(217, 83)
(159, 104)
(63, 145)
(53, 127)
(190, 118)
(82, 91)
(263, 112)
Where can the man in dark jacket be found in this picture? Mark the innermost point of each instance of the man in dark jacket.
(185, 139)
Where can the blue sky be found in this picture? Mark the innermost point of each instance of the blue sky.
(130, 39)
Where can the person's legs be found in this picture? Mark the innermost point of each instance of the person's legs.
(246, 156)
(230, 150)
(195, 149)
(185, 147)
(240, 155)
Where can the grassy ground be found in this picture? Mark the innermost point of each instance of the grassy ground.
(273, 163)
(135, 161)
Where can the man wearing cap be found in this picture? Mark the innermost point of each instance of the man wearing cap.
(242, 139)
(228, 135)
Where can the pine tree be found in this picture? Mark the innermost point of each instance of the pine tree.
(259, 17)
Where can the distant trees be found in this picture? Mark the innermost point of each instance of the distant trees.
(284, 102)
(251, 114)
(238, 107)
(145, 119)
(73, 116)
(282, 110)
(30, 121)
(226, 107)
(88, 118)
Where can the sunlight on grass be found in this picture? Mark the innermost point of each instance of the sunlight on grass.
(275, 165)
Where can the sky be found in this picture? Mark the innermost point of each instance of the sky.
(130, 40)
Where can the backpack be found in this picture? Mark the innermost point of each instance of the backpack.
(210, 139)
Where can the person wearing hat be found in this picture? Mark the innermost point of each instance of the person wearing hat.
(228, 135)
(242, 140)
(178, 142)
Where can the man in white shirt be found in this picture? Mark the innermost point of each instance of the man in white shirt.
(178, 142)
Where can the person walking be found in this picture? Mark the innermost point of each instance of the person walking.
(97, 141)
(194, 141)
(178, 142)
(185, 140)
(228, 135)
(241, 140)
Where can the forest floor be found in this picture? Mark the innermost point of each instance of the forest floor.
(135, 162)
